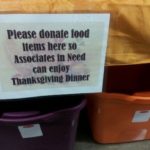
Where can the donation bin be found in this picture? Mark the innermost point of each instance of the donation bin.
(50, 125)
(117, 118)
(122, 112)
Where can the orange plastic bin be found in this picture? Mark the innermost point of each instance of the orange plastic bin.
(117, 118)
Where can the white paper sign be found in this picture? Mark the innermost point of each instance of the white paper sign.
(52, 54)
(30, 131)
(141, 116)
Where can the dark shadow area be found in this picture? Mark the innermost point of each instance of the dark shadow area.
(84, 131)
(127, 79)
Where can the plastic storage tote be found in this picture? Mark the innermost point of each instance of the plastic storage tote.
(116, 118)
(50, 125)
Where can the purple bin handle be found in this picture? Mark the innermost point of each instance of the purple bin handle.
(20, 114)
(30, 120)
(42, 117)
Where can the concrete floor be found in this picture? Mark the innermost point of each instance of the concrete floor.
(86, 145)
(84, 140)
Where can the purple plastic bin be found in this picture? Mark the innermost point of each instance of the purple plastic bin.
(41, 130)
